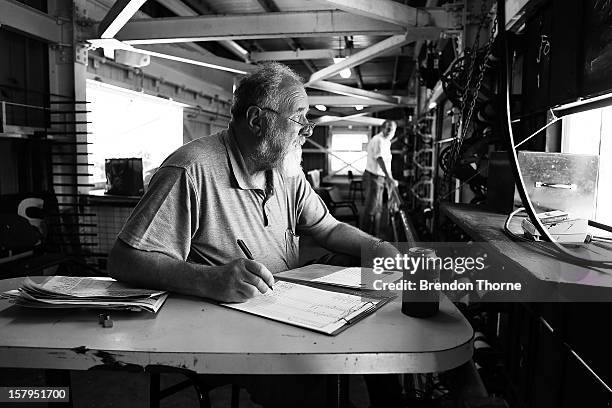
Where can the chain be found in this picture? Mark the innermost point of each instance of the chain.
(470, 92)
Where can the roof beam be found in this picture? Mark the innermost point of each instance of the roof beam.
(397, 13)
(117, 16)
(29, 20)
(270, 6)
(292, 55)
(181, 9)
(210, 61)
(343, 101)
(324, 53)
(354, 92)
(338, 100)
(334, 118)
(364, 120)
(369, 53)
(253, 26)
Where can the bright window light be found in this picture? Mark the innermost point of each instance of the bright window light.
(348, 147)
(125, 124)
(590, 132)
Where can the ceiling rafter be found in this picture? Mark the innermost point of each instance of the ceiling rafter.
(270, 6)
(323, 53)
(210, 61)
(179, 8)
(354, 92)
(348, 116)
(118, 16)
(399, 14)
(360, 57)
(255, 26)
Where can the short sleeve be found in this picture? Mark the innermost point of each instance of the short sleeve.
(375, 148)
(166, 218)
(313, 216)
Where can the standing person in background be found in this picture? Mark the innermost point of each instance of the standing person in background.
(376, 175)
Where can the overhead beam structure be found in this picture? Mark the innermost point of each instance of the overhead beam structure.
(268, 6)
(365, 55)
(326, 119)
(399, 14)
(363, 120)
(337, 100)
(255, 26)
(118, 16)
(324, 53)
(181, 9)
(292, 55)
(354, 92)
(29, 20)
(230, 64)
(210, 61)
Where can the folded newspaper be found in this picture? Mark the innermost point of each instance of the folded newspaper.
(85, 292)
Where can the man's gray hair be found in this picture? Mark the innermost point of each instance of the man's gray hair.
(263, 88)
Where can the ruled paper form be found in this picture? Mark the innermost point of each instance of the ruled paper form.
(316, 309)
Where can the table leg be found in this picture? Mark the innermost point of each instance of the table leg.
(338, 391)
(154, 384)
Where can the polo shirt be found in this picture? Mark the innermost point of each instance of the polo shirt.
(203, 197)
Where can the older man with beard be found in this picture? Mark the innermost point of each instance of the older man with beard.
(245, 183)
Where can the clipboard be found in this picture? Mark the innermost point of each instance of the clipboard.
(323, 310)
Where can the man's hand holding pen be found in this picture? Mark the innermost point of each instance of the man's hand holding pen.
(237, 281)
(240, 280)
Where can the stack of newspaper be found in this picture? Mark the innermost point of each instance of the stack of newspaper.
(85, 292)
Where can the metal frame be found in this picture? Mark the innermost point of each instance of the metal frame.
(118, 16)
(29, 20)
(385, 10)
(254, 26)
(370, 53)
(354, 92)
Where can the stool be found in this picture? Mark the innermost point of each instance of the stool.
(355, 185)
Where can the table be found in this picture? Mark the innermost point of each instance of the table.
(205, 338)
(487, 226)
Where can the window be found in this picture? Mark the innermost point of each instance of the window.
(348, 153)
(590, 132)
(125, 123)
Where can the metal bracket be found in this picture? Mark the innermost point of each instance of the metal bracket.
(80, 54)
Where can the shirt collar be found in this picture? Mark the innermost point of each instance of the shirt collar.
(237, 165)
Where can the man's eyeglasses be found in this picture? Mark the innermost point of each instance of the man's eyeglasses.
(308, 126)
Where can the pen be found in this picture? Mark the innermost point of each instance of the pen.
(248, 254)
